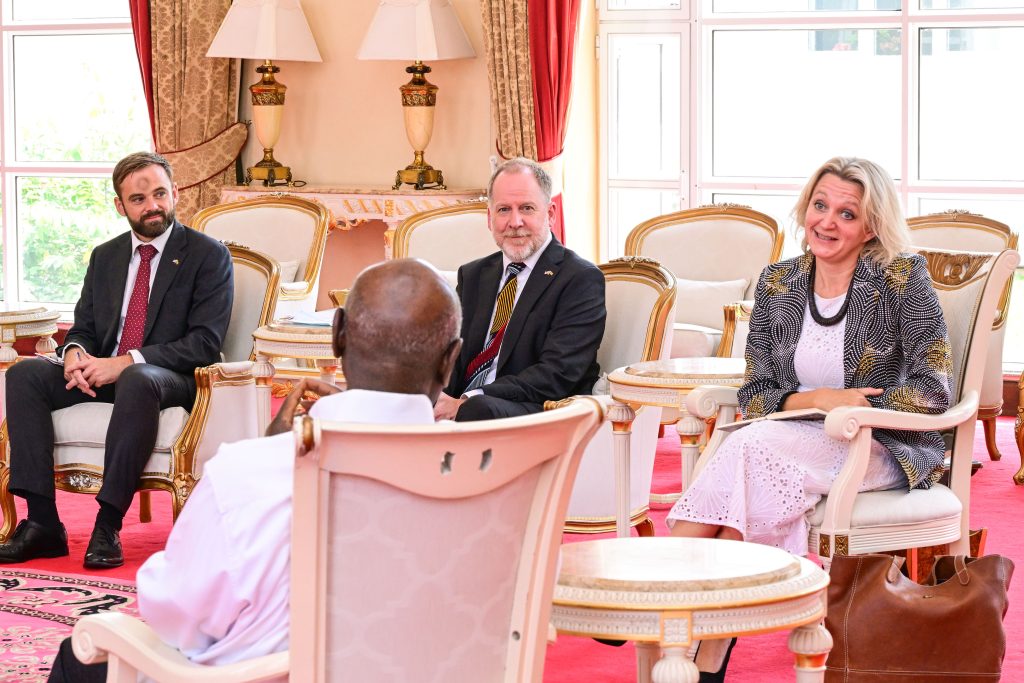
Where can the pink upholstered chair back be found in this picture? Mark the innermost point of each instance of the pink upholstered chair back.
(429, 553)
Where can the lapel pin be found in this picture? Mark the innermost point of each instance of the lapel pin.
(176, 262)
(549, 272)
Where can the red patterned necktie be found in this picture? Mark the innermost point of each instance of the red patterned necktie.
(135, 319)
(477, 370)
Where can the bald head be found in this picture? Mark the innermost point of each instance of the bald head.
(400, 326)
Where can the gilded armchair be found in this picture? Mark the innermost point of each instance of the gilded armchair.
(640, 297)
(964, 231)
(224, 409)
(716, 253)
(292, 230)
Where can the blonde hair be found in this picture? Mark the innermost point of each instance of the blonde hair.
(879, 206)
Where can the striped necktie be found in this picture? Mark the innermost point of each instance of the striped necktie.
(477, 371)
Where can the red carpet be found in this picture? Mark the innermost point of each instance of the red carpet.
(997, 504)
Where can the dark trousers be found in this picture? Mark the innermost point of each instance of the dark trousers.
(36, 387)
(67, 669)
(482, 407)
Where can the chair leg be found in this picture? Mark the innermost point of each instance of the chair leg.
(988, 424)
(145, 507)
(6, 499)
(645, 528)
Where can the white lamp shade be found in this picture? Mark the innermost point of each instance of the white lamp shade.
(265, 29)
(411, 30)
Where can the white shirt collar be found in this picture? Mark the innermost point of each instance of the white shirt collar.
(158, 242)
(531, 260)
(374, 407)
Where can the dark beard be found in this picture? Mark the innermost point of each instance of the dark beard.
(152, 230)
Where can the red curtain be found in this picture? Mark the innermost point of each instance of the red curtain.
(552, 46)
(144, 49)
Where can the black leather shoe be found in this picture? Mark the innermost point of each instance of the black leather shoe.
(32, 540)
(104, 551)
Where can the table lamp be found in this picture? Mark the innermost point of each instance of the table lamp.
(417, 30)
(267, 30)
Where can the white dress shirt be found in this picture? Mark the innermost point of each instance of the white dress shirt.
(219, 591)
(521, 279)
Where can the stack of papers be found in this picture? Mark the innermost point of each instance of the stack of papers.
(313, 318)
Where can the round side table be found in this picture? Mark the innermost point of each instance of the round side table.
(14, 325)
(284, 340)
(666, 383)
(667, 593)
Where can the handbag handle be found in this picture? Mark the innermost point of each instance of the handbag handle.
(960, 564)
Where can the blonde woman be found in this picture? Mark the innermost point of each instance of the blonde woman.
(853, 321)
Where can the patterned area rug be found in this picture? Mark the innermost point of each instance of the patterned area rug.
(38, 611)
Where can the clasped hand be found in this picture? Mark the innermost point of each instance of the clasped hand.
(86, 371)
(293, 403)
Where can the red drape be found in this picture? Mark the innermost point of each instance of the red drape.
(552, 46)
(144, 49)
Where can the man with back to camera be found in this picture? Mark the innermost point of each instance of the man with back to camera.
(533, 313)
(220, 591)
(154, 306)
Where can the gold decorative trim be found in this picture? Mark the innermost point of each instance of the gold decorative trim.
(842, 544)
(400, 247)
(637, 236)
(954, 269)
(554, 405)
(959, 218)
(600, 525)
(824, 545)
(320, 213)
(651, 273)
(338, 297)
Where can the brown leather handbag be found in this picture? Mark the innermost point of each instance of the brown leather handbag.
(887, 628)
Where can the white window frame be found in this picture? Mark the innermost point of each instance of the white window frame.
(698, 185)
(10, 168)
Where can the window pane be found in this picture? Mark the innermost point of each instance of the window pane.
(86, 106)
(970, 114)
(769, 6)
(60, 220)
(644, 110)
(643, 4)
(786, 101)
(971, 4)
(778, 206)
(628, 207)
(34, 10)
(1003, 209)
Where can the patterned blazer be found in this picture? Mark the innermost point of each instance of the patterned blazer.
(895, 340)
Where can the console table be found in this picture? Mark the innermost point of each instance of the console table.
(352, 206)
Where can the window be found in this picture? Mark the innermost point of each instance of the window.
(73, 105)
(769, 89)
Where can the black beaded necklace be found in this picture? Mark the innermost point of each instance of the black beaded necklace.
(818, 317)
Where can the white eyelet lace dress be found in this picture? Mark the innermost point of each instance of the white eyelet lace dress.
(766, 477)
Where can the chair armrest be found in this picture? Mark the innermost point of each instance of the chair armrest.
(844, 423)
(298, 287)
(705, 402)
(124, 640)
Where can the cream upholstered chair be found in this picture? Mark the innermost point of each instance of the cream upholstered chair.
(292, 230)
(969, 286)
(224, 410)
(716, 252)
(428, 553)
(736, 321)
(640, 296)
(446, 238)
(964, 231)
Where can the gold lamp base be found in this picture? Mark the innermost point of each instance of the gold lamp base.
(420, 174)
(269, 170)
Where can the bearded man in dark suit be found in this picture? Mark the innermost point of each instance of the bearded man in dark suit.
(533, 314)
(154, 306)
